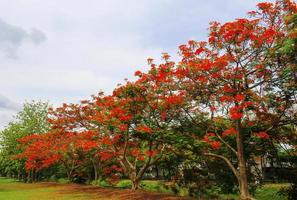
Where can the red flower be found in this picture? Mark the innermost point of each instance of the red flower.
(264, 6)
(226, 99)
(207, 138)
(163, 116)
(236, 113)
(248, 104)
(216, 145)
(212, 40)
(239, 97)
(138, 73)
(105, 155)
(165, 56)
(262, 135)
(211, 134)
(151, 153)
(126, 117)
(251, 123)
(212, 108)
(230, 131)
(144, 129)
(106, 140)
(199, 50)
(175, 100)
(141, 158)
(123, 127)
(135, 152)
(116, 138)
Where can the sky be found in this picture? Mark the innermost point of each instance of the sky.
(66, 50)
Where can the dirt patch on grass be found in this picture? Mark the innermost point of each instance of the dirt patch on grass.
(95, 192)
(58, 191)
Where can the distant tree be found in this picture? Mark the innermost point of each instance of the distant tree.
(32, 119)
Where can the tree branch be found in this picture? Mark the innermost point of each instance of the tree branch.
(228, 162)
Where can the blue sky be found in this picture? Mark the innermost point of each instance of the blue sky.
(66, 50)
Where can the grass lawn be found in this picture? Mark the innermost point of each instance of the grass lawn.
(13, 190)
(267, 192)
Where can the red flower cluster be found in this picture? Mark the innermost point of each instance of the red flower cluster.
(262, 135)
(236, 112)
(174, 100)
(210, 139)
(264, 6)
(135, 152)
(229, 132)
(104, 155)
(216, 145)
(151, 153)
(239, 97)
(144, 129)
(123, 127)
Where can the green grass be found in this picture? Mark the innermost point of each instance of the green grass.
(148, 185)
(14, 190)
(11, 190)
(267, 192)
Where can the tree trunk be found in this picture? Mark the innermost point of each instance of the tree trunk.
(135, 180)
(23, 177)
(157, 172)
(33, 176)
(135, 184)
(29, 180)
(243, 181)
(19, 175)
(95, 172)
(69, 176)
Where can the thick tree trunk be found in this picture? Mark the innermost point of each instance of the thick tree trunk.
(135, 180)
(242, 179)
(135, 184)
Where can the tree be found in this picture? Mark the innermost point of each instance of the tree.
(239, 80)
(32, 119)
